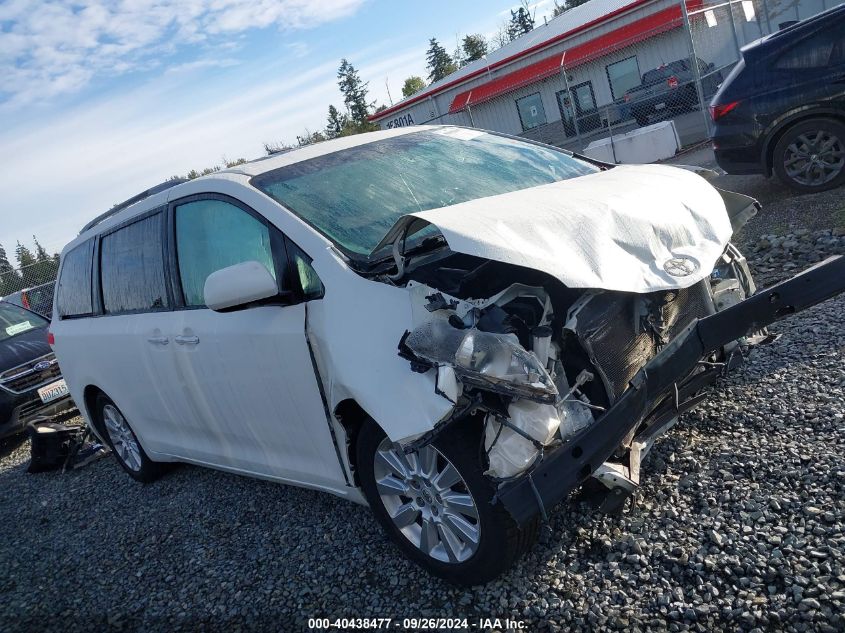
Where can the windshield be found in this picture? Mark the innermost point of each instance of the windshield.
(15, 320)
(354, 196)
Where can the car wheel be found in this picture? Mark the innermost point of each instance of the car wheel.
(642, 119)
(124, 443)
(810, 156)
(435, 504)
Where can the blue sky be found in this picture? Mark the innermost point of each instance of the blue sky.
(100, 100)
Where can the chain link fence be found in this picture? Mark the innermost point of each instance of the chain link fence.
(30, 286)
(665, 66)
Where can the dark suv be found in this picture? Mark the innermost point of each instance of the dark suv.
(30, 381)
(38, 299)
(782, 108)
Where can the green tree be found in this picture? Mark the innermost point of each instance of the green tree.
(566, 6)
(474, 47)
(309, 138)
(336, 122)
(26, 261)
(10, 280)
(439, 63)
(44, 269)
(354, 92)
(521, 23)
(277, 148)
(412, 85)
(24, 256)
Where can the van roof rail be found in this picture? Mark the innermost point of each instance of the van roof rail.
(136, 198)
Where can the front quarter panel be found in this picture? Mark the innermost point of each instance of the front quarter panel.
(356, 328)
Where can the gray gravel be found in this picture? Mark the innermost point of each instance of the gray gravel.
(739, 526)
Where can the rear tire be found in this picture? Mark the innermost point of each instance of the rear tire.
(499, 541)
(810, 156)
(642, 119)
(124, 443)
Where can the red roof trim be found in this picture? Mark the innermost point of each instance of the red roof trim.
(654, 24)
(515, 56)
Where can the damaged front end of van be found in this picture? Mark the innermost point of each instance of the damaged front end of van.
(575, 369)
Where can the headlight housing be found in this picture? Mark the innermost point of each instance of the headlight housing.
(491, 361)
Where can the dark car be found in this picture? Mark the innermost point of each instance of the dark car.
(782, 108)
(30, 380)
(38, 298)
(671, 88)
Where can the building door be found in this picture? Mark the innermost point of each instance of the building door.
(567, 113)
(585, 107)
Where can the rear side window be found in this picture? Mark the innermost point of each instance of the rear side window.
(132, 268)
(214, 234)
(74, 293)
(813, 52)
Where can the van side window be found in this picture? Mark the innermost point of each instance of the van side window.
(132, 268)
(214, 234)
(74, 293)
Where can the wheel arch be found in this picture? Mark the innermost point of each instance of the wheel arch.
(89, 399)
(787, 121)
(352, 416)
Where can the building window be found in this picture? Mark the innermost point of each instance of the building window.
(531, 112)
(623, 76)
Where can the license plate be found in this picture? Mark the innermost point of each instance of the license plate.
(659, 106)
(53, 391)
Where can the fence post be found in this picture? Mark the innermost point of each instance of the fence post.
(695, 70)
(733, 29)
(469, 112)
(610, 130)
(766, 11)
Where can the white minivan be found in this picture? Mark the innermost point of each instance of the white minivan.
(455, 327)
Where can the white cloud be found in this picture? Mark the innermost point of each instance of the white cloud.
(72, 167)
(59, 46)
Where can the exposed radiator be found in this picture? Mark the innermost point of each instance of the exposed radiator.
(621, 332)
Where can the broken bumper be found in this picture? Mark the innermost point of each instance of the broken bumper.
(568, 466)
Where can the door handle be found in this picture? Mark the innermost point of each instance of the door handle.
(187, 340)
(159, 340)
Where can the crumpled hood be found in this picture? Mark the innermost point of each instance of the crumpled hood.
(614, 230)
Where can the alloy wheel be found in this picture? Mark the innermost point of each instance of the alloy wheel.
(815, 158)
(428, 501)
(122, 438)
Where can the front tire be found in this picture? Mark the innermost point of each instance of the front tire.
(124, 443)
(810, 156)
(435, 505)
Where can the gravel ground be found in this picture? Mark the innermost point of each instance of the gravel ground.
(739, 526)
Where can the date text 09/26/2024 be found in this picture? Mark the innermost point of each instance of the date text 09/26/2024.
(416, 624)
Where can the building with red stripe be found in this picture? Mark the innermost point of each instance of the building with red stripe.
(580, 64)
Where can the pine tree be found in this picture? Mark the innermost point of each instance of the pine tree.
(354, 92)
(24, 256)
(474, 47)
(521, 23)
(439, 63)
(40, 253)
(412, 85)
(10, 280)
(44, 270)
(336, 123)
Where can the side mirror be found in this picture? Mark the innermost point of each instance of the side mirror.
(239, 285)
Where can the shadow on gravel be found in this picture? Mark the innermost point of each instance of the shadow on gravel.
(9, 444)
